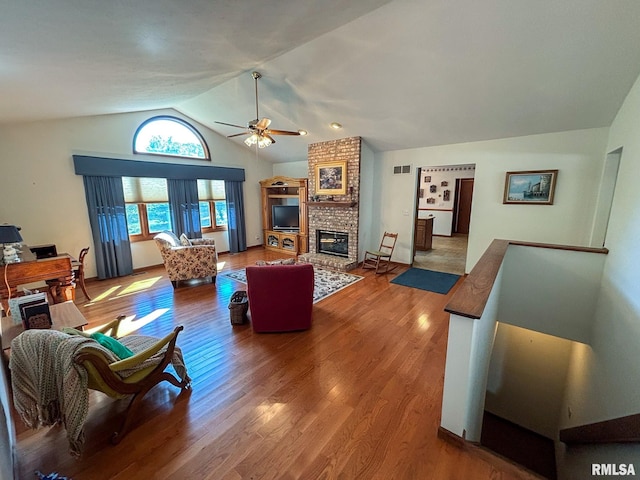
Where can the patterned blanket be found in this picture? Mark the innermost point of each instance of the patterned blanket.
(50, 388)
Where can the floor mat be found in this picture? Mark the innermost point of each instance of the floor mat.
(438, 282)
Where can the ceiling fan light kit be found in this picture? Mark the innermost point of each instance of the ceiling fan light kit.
(258, 129)
(262, 141)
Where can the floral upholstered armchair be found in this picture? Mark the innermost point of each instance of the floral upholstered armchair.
(186, 258)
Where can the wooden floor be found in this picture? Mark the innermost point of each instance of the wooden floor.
(357, 396)
(448, 254)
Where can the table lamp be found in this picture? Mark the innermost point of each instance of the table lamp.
(9, 234)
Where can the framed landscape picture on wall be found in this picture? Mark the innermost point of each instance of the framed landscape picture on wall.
(534, 187)
(331, 178)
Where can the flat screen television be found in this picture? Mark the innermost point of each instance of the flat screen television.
(285, 217)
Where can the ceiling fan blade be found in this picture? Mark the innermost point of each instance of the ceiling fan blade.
(270, 138)
(231, 125)
(263, 124)
(281, 132)
(238, 134)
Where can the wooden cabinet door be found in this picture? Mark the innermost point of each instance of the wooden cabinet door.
(420, 234)
(424, 232)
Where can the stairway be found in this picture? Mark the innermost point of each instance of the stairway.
(529, 449)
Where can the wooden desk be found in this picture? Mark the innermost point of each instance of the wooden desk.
(62, 315)
(30, 269)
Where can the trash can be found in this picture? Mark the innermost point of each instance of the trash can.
(238, 307)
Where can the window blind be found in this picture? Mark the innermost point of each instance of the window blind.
(144, 190)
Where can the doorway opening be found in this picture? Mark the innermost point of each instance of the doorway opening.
(443, 217)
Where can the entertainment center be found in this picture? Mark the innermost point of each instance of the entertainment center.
(284, 214)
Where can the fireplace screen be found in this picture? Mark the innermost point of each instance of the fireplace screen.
(332, 243)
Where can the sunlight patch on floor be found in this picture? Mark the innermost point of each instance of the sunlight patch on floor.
(139, 285)
(131, 324)
(124, 290)
(105, 294)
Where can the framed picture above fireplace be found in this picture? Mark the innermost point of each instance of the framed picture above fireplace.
(331, 178)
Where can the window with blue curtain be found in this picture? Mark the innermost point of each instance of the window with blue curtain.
(106, 208)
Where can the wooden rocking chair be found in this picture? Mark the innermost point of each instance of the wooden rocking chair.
(104, 377)
(381, 259)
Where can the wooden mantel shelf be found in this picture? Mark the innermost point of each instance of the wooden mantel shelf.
(332, 204)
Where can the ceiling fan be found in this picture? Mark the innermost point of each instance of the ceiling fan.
(258, 129)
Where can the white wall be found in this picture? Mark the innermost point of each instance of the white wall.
(578, 155)
(291, 169)
(40, 192)
(604, 377)
(551, 291)
(527, 378)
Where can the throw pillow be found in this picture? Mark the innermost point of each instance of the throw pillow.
(184, 241)
(112, 344)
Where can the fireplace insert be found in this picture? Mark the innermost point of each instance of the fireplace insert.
(332, 243)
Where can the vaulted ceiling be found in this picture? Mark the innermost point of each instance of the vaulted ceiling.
(401, 74)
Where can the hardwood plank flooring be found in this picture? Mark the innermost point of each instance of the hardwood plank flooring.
(357, 396)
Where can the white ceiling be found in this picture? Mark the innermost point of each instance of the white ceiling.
(400, 74)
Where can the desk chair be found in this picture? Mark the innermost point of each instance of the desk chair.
(77, 267)
(78, 271)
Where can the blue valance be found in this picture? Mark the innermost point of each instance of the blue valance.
(114, 167)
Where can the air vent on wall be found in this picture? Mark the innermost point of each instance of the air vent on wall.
(398, 169)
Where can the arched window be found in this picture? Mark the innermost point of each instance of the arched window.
(172, 136)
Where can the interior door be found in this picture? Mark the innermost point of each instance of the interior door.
(462, 214)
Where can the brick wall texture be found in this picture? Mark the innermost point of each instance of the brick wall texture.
(336, 218)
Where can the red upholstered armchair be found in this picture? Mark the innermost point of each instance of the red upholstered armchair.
(280, 297)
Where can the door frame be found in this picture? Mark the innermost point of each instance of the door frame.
(415, 216)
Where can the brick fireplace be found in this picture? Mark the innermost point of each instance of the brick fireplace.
(339, 213)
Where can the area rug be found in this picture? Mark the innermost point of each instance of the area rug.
(438, 282)
(326, 282)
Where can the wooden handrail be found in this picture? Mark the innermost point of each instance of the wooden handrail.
(572, 248)
(618, 430)
(471, 297)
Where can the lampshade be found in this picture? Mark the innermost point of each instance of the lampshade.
(262, 140)
(252, 140)
(9, 234)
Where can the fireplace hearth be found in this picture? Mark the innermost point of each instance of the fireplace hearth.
(332, 243)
